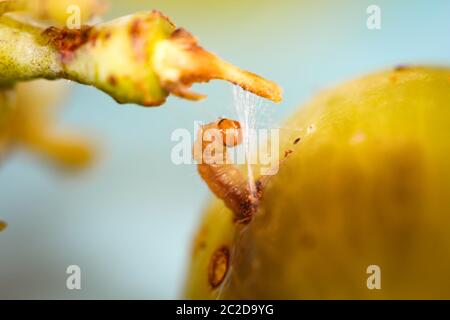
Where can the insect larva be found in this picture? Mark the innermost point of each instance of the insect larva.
(225, 180)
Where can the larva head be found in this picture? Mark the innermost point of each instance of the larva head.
(231, 132)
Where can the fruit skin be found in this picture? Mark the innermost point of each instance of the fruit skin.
(368, 184)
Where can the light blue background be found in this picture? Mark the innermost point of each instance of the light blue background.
(128, 220)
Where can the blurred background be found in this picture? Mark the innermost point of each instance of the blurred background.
(128, 220)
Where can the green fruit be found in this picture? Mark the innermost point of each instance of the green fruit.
(367, 184)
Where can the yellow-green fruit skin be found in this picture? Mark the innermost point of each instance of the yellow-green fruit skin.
(367, 184)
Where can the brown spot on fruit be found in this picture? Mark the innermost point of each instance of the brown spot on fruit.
(3, 225)
(200, 240)
(401, 68)
(307, 241)
(297, 140)
(287, 153)
(393, 78)
(218, 266)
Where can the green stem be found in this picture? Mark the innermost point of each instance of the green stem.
(25, 53)
(141, 58)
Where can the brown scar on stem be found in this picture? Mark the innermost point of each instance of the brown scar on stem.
(138, 29)
(66, 40)
(157, 13)
(93, 38)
